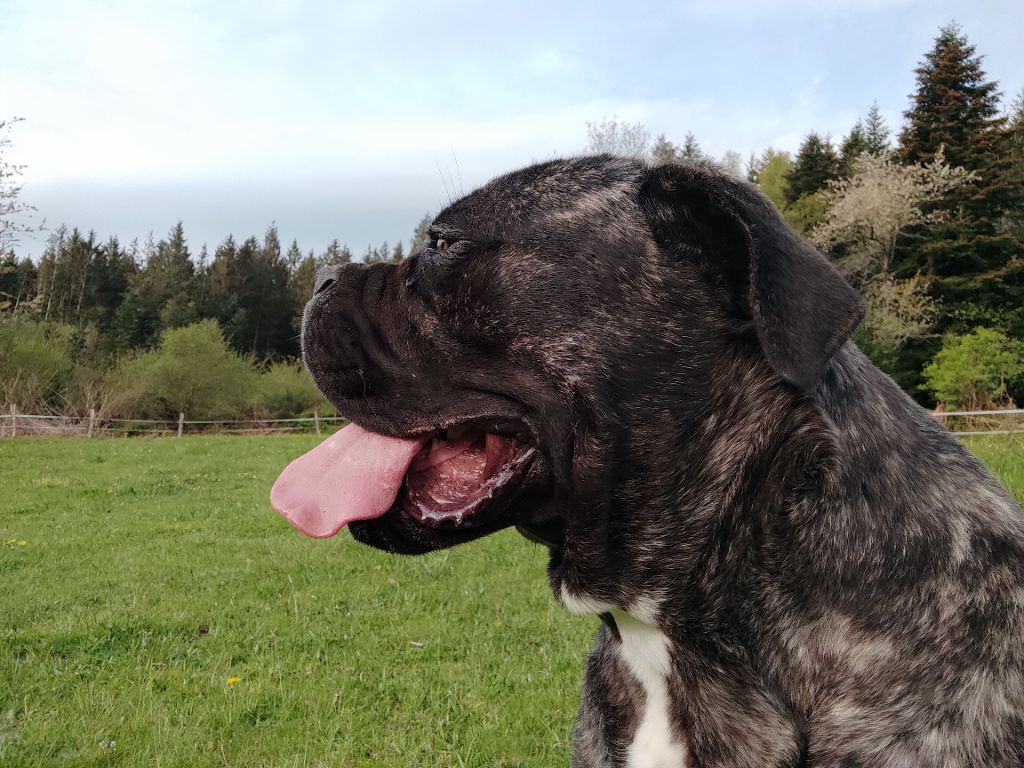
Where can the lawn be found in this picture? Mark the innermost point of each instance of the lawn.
(156, 612)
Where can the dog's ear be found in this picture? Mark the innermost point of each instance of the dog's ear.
(802, 308)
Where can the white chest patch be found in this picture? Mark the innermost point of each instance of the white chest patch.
(645, 652)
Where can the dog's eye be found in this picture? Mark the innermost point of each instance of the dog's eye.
(442, 245)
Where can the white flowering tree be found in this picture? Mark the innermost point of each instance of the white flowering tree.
(866, 217)
(869, 212)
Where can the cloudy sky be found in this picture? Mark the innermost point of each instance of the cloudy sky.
(352, 120)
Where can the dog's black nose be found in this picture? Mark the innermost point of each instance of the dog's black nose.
(325, 276)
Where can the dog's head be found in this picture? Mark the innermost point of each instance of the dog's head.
(558, 357)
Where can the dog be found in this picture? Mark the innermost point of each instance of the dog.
(645, 369)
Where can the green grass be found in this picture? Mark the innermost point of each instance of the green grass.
(153, 570)
(1004, 455)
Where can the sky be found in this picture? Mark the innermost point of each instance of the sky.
(351, 120)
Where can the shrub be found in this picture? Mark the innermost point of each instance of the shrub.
(972, 371)
(286, 390)
(192, 371)
(34, 362)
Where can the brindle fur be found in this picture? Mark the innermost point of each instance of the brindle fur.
(841, 581)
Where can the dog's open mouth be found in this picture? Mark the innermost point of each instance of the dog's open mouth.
(457, 472)
(449, 479)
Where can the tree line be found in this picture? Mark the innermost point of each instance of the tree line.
(928, 223)
(151, 330)
(126, 296)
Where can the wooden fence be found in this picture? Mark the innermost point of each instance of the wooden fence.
(15, 424)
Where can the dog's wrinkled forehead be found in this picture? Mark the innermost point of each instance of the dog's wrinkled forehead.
(555, 192)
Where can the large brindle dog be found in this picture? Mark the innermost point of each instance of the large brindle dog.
(646, 370)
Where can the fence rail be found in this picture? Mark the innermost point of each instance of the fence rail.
(994, 422)
(15, 424)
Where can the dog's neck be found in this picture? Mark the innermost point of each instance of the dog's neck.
(745, 451)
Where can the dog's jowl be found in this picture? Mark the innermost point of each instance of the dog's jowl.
(647, 371)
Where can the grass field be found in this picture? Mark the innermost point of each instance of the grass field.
(155, 612)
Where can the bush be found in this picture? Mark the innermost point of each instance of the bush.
(192, 371)
(972, 371)
(35, 362)
(286, 390)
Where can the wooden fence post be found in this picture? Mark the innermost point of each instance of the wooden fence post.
(92, 420)
(181, 423)
(14, 420)
(316, 420)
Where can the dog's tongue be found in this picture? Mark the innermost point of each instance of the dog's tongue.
(352, 475)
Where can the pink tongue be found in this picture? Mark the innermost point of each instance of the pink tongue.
(352, 475)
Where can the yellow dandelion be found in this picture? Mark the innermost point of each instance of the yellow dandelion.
(234, 680)
(22, 543)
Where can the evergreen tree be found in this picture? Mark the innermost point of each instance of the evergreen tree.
(1012, 221)
(377, 255)
(166, 280)
(294, 256)
(420, 238)
(955, 107)
(853, 145)
(300, 286)
(870, 135)
(335, 253)
(815, 165)
(876, 132)
(691, 151)
(112, 271)
(955, 111)
(17, 282)
(254, 300)
(664, 151)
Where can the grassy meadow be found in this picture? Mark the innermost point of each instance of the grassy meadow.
(154, 611)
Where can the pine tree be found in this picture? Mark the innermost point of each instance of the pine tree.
(1012, 221)
(876, 132)
(165, 282)
(420, 238)
(17, 282)
(870, 135)
(955, 107)
(691, 151)
(300, 286)
(976, 261)
(815, 165)
(335, 253)
(664, 151)
(853, 145)
(955, 111)
(294, 256)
